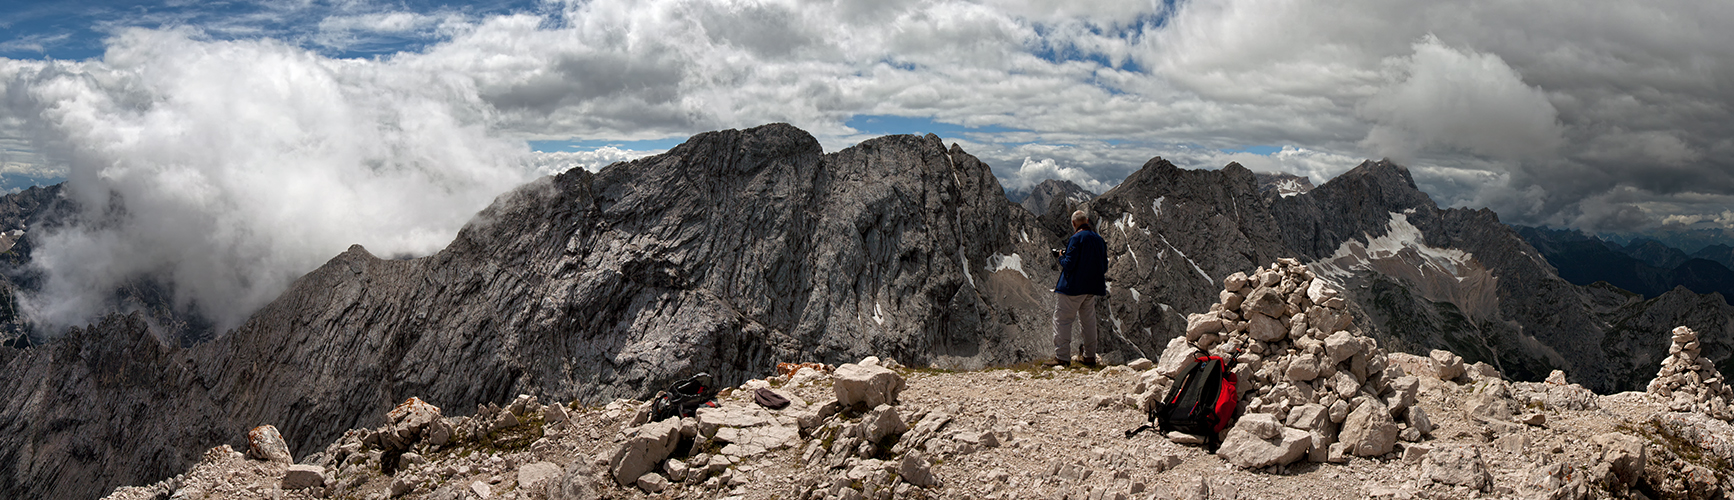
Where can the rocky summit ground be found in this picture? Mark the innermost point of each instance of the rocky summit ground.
(1014, 432)
(1324, 412)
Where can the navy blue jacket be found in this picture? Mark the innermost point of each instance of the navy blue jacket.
(1084, 267)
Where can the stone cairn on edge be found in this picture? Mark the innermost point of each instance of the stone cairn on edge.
(1690, 382)
(1312, 384)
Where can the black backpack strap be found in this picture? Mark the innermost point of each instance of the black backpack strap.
(1141, 428)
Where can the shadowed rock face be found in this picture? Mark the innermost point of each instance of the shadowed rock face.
(729, 253)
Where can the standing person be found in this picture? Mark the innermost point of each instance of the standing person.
(1083, 273)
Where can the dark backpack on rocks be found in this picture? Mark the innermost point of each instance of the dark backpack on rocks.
(1201, 402)
(684, 397)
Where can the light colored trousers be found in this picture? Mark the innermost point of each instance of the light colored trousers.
(1081, 308)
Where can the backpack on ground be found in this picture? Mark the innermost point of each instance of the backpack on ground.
(684, 397)
(1201, 402)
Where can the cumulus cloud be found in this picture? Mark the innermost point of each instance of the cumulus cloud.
(1033, 172)
(1456, 99)
(227, 169)
(551, 163)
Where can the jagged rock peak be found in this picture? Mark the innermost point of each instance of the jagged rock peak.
(1040, 200)
(1283, 184)
(1384, 183)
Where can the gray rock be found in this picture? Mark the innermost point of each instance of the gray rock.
(1303, 368)
(1414, 453)
(644, 448)
(1258, 441)
(1369, 431)
(1482, 371)
(303, 476)
(1265, 301)
(1140, 364)
(1340, 346)
(926, 429)
(1625, 455)
(1175, 357)
(1197, 325)
(650, 482)
(1403, 393)
(1308, 416)
(867, 385)
(915, 469)
(532, 475)
(1417, 419)
(402, 485)
(1457, 466)
(1447, 365)
(264, 443)
(677, 470)
(555, 413)
(1339, 411)
(882, 421)
(1265, 329)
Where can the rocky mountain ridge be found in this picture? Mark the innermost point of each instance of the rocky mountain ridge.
(739, 249)
(577, 286)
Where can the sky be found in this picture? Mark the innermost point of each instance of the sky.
(252, 140)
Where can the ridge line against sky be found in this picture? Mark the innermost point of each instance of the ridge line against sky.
(277, 133)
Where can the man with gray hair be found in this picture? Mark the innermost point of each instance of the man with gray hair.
(1083, 276)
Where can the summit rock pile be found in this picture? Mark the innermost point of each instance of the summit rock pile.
(1312, 384)
(1006, 433)
(1689, 381)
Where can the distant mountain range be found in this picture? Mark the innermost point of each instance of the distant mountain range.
(1692, 241)
(1042, 197)
(1646, 267)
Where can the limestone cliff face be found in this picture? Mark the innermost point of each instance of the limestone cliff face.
(729, 253)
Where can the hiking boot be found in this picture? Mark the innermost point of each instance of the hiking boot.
(1053, 362)
(1090, 361)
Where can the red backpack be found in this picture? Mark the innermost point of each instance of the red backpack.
(1201, 402)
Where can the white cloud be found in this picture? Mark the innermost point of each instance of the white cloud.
(242, 165)
(1601, 113)
(1033, 172)
(550, 163)
(1456, 99)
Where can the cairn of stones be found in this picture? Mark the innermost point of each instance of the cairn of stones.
(1689, 381)
(1312, 384)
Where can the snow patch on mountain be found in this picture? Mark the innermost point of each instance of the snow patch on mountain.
(998, 262)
